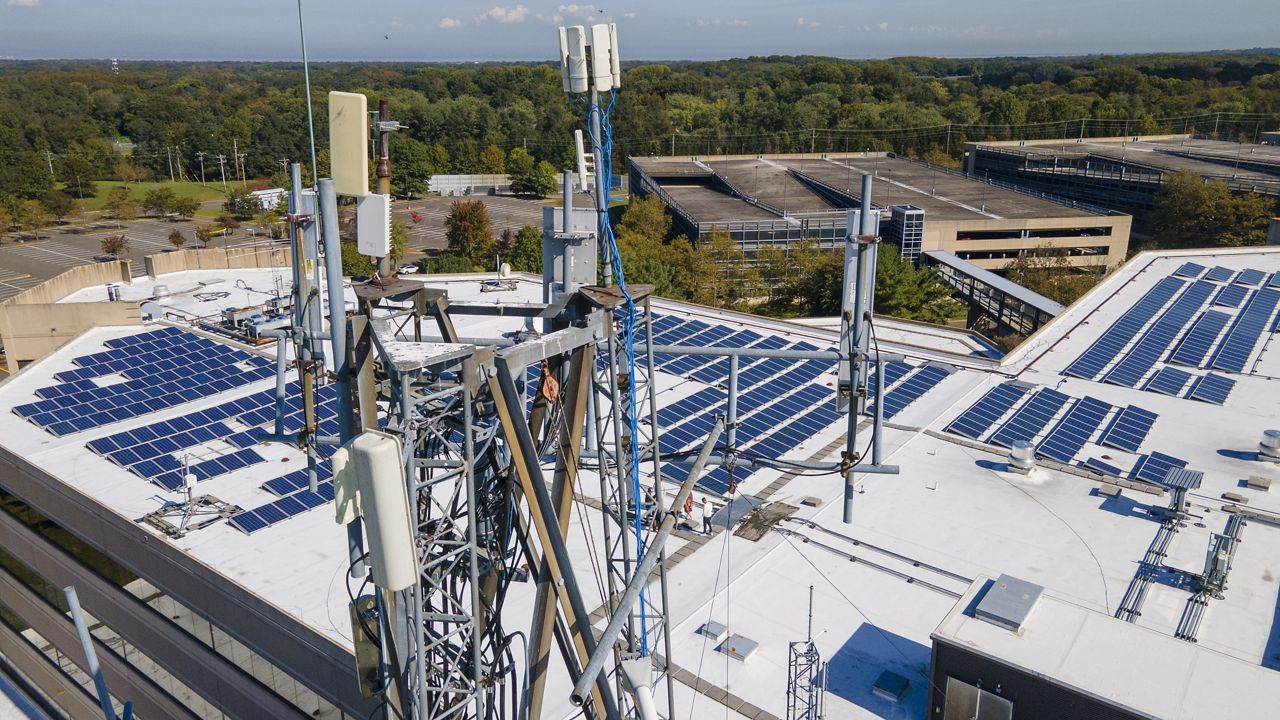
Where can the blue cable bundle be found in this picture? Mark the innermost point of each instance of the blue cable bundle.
(604, 175)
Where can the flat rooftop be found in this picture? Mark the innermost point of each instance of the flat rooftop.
(1210, 158)
(954, 513)
(790, 185)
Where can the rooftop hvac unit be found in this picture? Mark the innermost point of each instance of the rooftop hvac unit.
(1269, 448)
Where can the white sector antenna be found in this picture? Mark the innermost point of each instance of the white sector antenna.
(601, 64)
(575, 58)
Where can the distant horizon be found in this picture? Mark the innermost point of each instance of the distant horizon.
(639, 61)
(469, 31)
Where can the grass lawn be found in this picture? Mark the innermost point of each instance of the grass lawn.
(195, 190)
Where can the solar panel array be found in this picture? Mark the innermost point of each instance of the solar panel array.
(1231, 296)
(1031, 418)
(1196, 344)
(1103, 467)
(1212, 388)
(1168, 381)
(163, 368)
(1189, 270)
(978, 419)
(1128, 429)
(1219, 274)
(1234, 350)
(781, 402)
(1154, 467)
(1075, 428)
(1108, 346)
(1149, 349)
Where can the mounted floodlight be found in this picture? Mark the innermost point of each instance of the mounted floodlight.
(349, 143)
(573, 58)
(601, 64)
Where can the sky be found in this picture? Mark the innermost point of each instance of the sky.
(466, 30)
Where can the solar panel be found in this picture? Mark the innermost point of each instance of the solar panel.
(893, 372)
(1031, 418)
(1189, 270)
(1195, 345)
(1157, 339)
(1274, 280)
(1231, 296)
(1212, 388)
(1154, 467)
(1249, 276)
(1234, 350)
(1103, 467)
(277, 511)
(1115, 338)
(919, 383)
(1128, 429)
(1168, 381)
(1219, 274)
(1180, 477)
(974, 422)
(1074, 430)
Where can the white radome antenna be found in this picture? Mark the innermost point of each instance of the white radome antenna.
(605, 72)
(504, 271)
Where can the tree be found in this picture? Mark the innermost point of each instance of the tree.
(446, 265)
(411, 168)
(1192, 213)
(522, 170)
(32, 216)
(240, 204)
(117, 202)
(159, 201)
(113, 245)
(906, 291)
(492, 160)
(526, 250)
(185, 207)
(1047, 270)
(229, 223)
(177, 239)
(58, 203)
(546, 180)
(6, 218)
(271, 224)
(469, 232)
(353, 263)
(204, 235)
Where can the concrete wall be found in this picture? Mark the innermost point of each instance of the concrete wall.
(69, 281)
(218, 259)
(30, 332)
(1052, 232)
(31, 324)
(1273, 232)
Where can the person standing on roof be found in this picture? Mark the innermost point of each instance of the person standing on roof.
(688, 510)
(707, 511)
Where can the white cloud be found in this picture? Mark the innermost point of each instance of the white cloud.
(884, 25)
(450, 23)
(800, 21)
(24, 3)
(507, 15)
(739, 23)
(629, 16)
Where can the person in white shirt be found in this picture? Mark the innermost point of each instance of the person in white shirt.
(707, 511)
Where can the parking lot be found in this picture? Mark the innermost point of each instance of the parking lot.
(28, 262)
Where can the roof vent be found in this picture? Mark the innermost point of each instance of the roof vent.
(1022, 457)
(160, 291)
(1269, 448)
(891, 686)
(739, 647)
(1008, 602)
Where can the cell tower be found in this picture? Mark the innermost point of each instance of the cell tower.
(461, 459)
(806, 676)
(115, 66)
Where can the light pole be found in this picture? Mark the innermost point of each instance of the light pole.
(200, 155)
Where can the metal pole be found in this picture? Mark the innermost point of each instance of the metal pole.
(327, 200)
(306, 79)
(566, 258)
(879, 421)
(731, 437)
(857, 340)
(602, 209)
(90, 656)
(473, 569)
(622, 614)
(384, 170)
